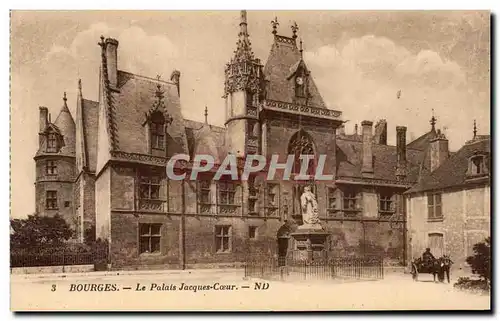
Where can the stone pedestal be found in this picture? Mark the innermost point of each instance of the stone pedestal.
(310, 243)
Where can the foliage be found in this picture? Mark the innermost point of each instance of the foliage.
(480, 262)
(89, 235)
(37, 231)
(464, 283)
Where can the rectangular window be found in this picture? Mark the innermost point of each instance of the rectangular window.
(204, 191)
(434, 206)
(150, 187)
(385, 203)
(149, 238)
(51, 200)
(227, 191)
(222, 238)
(252, 208)
(272, 195)
(52, 143)
(51, 167)
(350, 200)
(252, 232)
(157, 136)
(332, 199)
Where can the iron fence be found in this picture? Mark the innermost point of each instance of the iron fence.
(57, 257)
(361, 268)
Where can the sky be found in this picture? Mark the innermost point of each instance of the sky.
(439, 61)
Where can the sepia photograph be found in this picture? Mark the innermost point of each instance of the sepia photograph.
(248, 160)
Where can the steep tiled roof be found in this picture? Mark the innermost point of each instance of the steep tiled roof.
(90, 112)
(135, 97)
(453, 171)
(205, 139)
(283, 59)
(349, 158)
(66, 125)
(423, 141)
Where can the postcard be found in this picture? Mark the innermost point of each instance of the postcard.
(250, 160)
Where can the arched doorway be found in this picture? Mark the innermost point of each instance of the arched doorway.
(283, 240)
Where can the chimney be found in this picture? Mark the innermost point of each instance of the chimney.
(401, 170)
(44, 118)
(367, 164)
(112, 61)
(175, 78)
(380, 136)
(439, 150)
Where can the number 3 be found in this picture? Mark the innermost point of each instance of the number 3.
(53, 288)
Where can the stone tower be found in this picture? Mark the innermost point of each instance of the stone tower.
(55, 165)
(243, 92)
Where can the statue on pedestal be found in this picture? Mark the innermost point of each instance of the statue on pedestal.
(309, 207)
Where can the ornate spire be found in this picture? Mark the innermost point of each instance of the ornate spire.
(433, 121)
(475, 129)
(295, 28)
(80, 87)
(243, 72)
(301, 50)
(243, 23)
(206, 114)
(275, 25)
(243, 49)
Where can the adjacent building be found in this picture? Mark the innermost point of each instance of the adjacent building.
(449, 209)
(111, 166)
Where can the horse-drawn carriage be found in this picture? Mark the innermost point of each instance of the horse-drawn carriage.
(437, 267)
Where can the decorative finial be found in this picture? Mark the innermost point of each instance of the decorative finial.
(295, 28)
(206, 114)
(102, 42)
(64, 97)
(355, 129)
(301, 50)
(433, 121)
(275, 25)
(475, 129)
(243, 16)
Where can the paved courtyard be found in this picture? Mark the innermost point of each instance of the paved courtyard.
(225, 290)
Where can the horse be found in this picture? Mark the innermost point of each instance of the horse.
(420, 266)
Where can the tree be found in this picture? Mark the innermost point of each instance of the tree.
(36, 231)
(480, 262)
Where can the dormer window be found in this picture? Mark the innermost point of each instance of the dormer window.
(157, 132)
(477, 165)
(51, 143)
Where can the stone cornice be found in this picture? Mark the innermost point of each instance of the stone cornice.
(298, 109)
(372, 182)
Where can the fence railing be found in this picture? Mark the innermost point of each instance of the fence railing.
(57, 257)
(367, 268)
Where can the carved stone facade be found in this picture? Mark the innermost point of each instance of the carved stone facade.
(271, 109)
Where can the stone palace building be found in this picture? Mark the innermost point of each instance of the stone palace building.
(104, 170)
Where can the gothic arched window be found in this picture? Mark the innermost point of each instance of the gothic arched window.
(157, 131)
(301, 144)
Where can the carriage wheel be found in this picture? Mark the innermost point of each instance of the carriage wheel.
(414, 272)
